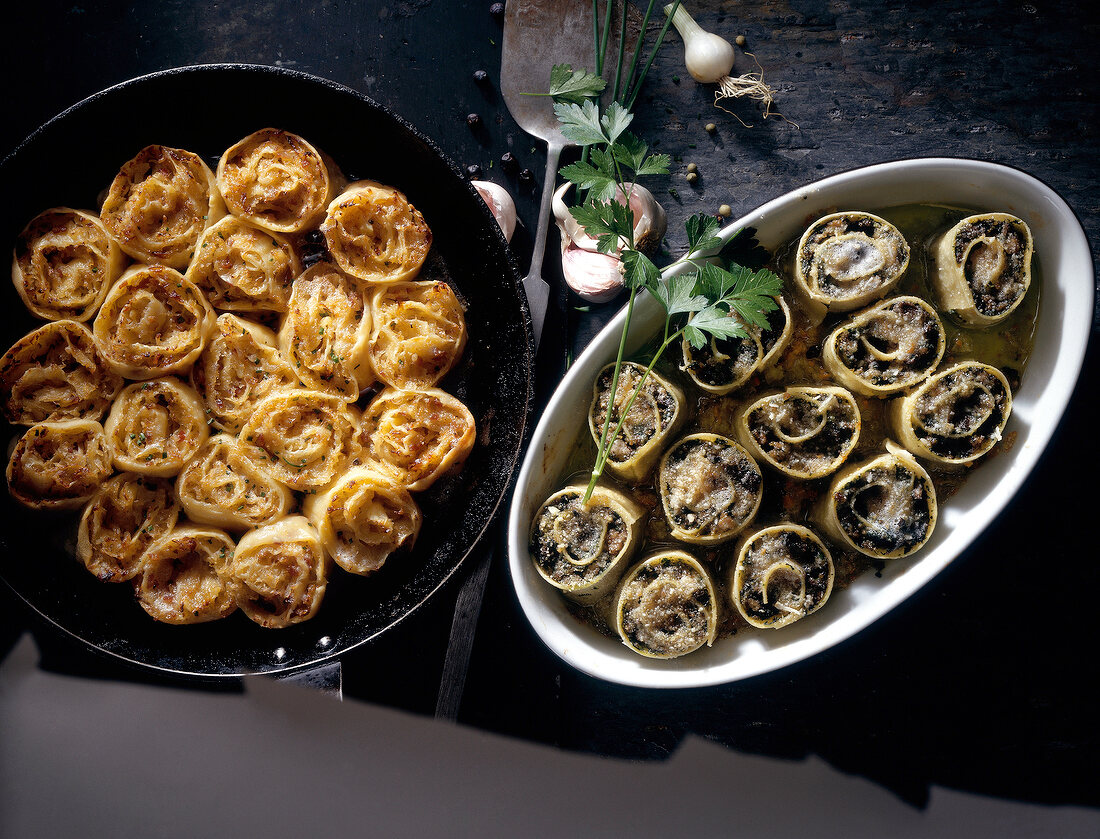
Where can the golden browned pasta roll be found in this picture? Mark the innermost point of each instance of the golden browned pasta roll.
(58, 465)
(155, 427)
(582, 549)
(783, 573)
(884, 507)
(655, 415)
(804, 432)
(307, 437)
(185, 576)
(277, 180)
(416, 436)
(710, 488)
(226, 485)
(124, 517)
(325, 334)
(64, 262)
(56, 373)
(886, 348)
(418, 335)
(666, 606)
(153, 322)
(375, 234)
(243, 268)
(159, 204)
(846, 260)
(240, 367)
(983, 267)
(364, 517)
(282, 572)
(956, 416)
(723, 364)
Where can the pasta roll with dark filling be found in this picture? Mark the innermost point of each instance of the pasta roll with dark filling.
(582, 549)
(956, 416)
(155, 427)
(159, 204)
(666, 606)
(185, 576)
(724, 364)
(59, 465)
(782, 574)
(419, 333)
(983, 267)
(63, 264)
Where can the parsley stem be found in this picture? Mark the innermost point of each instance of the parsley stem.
(652, 55)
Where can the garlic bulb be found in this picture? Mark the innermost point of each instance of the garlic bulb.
(501, 205)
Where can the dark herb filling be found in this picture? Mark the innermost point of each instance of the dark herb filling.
(794, 415)
(993, 295)
(904, 329)
(765, 553)
(863, 510)
(595, 534)
(961, 414)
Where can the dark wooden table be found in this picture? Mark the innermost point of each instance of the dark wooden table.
(984, 682)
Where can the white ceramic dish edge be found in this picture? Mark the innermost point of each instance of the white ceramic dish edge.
(1062, 336)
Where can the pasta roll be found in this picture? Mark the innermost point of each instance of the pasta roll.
(783, 573)
(983, 267)
(363, 518)
(657, 412)
(155, 427)
(64, 262)
(886, 348)
(58, 465)
(306, 437)
(724, 364)
(416, 436)
(710, 488)
(56, 373)
(885, 507)
(282, 572)
(804, 432)
(159, 204)
(185, 576)
(153, 322)
(225, 485)
(240, 367)
(325, 334)
(277, 180)
(243, 268)
(582, 549)
(124, 517)
(375, 234)
(846, 260)
(666, 606)
(956, 416)
(418, 335)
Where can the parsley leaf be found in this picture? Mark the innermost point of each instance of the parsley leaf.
(640, 272)
(569, 85)
(611, 223)
(701, 230)
(678, 295)
(581, 123)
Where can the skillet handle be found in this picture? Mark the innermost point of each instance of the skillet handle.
(328, 678)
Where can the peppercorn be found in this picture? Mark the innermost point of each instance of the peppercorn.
(711, 127)
(740, 40)
(725, 211)
(473, 120)
(526, 175)
(691, 167)
(473, 172)
(508, 162)
(497, 10)
(691, 177)
(480, 76)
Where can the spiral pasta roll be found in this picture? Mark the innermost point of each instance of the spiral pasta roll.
(416, 436)
(666, 606)
(655, 415)
(240, 367)
(277, 180)
(63, 264)
(155, 427)
(56, 373)
(159, 204)
(363, 518)
(782, 574)
(724, 364)
(185, 576)
(804, 432)
(956, 416)
(846, 260)
(225, 485)
(418, 335)
(153, 322)
(243, 268)
(124, 517)
(581, 548)
(375, 234)
(325, 334)
(282, 572)
(885, 507)
(886, 348)
(306, 436)
(58, 465)
(710, 488)
(983, 267)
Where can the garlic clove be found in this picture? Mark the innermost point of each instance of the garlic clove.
(500, 203)
(595, 277)
(650, 220)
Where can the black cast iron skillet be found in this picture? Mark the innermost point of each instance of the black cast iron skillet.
(205, 109)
